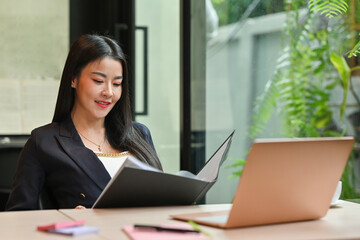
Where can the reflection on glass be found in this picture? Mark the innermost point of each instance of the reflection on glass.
(242, 45)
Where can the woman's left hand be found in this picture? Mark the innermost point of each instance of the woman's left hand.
(80, 207)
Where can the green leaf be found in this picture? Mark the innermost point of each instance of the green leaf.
(355, 51)
(329, 8)
(264, 106)
(345, 73)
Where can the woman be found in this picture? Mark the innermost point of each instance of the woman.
(71, 160)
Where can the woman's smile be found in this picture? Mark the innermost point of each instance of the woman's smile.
(103, 104)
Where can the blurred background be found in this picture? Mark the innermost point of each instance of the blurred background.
(198, 70)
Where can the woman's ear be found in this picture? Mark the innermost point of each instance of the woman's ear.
(74, 82)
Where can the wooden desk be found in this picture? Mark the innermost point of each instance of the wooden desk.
(342, 222)
(22, 225)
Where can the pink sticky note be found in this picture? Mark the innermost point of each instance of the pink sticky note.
(59, 225)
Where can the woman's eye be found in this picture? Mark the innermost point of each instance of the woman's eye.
(117, 84)
(98, 81)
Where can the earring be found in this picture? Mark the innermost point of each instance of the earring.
(72, 85)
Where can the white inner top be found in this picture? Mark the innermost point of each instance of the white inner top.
(112, 162)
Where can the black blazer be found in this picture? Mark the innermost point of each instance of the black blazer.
(55, 160)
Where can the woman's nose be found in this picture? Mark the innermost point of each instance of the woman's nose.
(107, 91)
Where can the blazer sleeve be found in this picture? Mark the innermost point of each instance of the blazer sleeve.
(28, 180)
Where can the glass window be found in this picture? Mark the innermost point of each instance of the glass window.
(242, 46)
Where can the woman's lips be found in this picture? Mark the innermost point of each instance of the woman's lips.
(102, 104)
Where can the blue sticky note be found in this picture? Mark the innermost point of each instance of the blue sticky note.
(75, 231)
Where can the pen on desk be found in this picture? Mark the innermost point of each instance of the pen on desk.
(159, 228)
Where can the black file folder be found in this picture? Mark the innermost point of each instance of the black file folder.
(134, 186)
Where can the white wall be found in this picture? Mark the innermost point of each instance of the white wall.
(162, 17)
(33, 45)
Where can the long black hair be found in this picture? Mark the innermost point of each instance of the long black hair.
(120, 130)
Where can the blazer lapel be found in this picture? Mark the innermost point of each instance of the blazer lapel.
(82, 156)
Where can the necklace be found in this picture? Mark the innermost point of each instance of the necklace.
(98, 145)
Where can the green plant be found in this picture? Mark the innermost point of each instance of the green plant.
(305, 76)
(345, 73)
(333, 8)
(341, 65)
